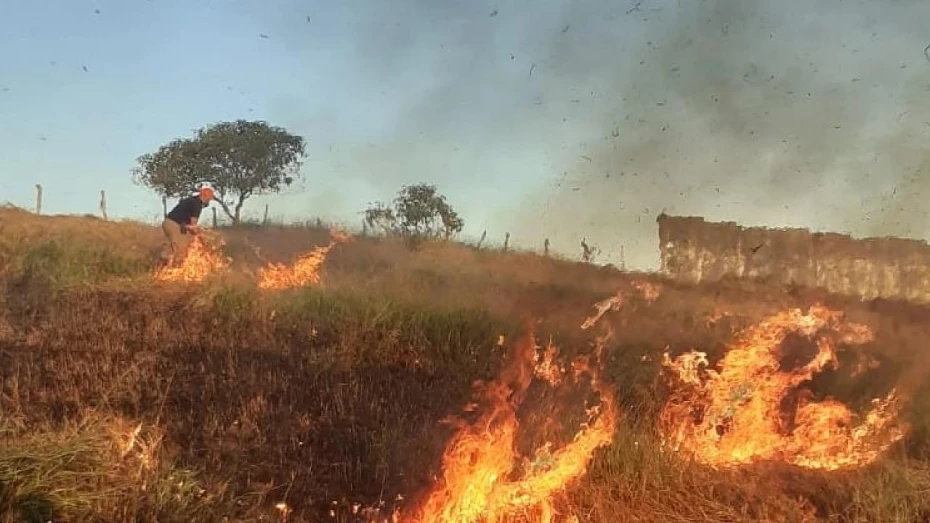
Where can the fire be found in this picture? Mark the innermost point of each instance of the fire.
(305, 271)
(741, 412)
(201, 262)
(650, 292)
(485, 479)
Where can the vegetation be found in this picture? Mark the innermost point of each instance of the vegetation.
(126, 400)
(419, 212)
(239, 159)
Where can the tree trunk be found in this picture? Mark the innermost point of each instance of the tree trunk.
(226, 210)
(238, 215)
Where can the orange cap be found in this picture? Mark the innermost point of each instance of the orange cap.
(206, 192)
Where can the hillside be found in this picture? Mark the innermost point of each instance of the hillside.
(128, 399)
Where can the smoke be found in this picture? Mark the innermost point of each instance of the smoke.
(587, 119)
(771, 113)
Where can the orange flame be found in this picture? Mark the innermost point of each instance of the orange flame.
(737, 414)
(201, 261)
(481, 479)
(305, 271)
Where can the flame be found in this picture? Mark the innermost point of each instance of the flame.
(736, 415)
(649, 291)
(484, 479)
(305, 271)
(548, 369)
(201, 262)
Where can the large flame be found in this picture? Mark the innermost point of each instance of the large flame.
(484, 479)
(745, 412)
(201, 261)
(304, 272)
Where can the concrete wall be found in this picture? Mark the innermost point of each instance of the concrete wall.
(695, 250)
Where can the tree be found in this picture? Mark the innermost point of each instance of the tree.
(380, 216)
(239, 159)
(419, 212)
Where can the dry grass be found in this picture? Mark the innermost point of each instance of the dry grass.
(315, 396)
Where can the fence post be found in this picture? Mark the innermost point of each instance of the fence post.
(265, 219)
(38, 199)
(164, 206)
(546, 248)
(484, 235)
(506, 242)
(214, 216)
(622, 260)
(103, 204)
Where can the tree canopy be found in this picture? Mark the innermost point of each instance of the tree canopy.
(418, 211)
(239, 159)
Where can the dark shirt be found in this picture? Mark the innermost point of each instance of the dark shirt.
(186, 209)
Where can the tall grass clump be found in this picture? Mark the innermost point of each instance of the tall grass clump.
(98, 469)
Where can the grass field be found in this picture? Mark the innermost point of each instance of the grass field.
(124, 399)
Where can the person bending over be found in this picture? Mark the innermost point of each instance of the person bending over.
(180, 225)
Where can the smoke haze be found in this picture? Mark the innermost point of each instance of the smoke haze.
(588, 119)
(781, 114)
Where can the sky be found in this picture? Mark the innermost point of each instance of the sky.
(563, 119)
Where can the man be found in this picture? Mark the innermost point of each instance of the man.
(182, 220)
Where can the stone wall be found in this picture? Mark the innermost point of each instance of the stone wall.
(695, 250)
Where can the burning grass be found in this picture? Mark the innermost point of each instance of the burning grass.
(305, 271)
(738, 414)
(324, 404)
(204, 259)
(478, 481)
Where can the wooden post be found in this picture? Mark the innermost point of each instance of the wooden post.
(546, 247)
(38, 199)
(164, 205)
(506, 242)
(265, 219)
(484, 236)
(103, 203)
(214, 216)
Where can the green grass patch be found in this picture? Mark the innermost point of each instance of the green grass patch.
(56, 265)
(86, 472)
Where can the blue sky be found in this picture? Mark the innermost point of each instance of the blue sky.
(542, 118)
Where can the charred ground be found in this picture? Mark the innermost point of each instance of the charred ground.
(335, 394)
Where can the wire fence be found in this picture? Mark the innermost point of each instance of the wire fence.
(588, 251)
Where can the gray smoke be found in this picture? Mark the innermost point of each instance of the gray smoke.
(587, 119)
(771, 113)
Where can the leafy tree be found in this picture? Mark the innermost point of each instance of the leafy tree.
(380, 216)
(239, 159)
(418, 211)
